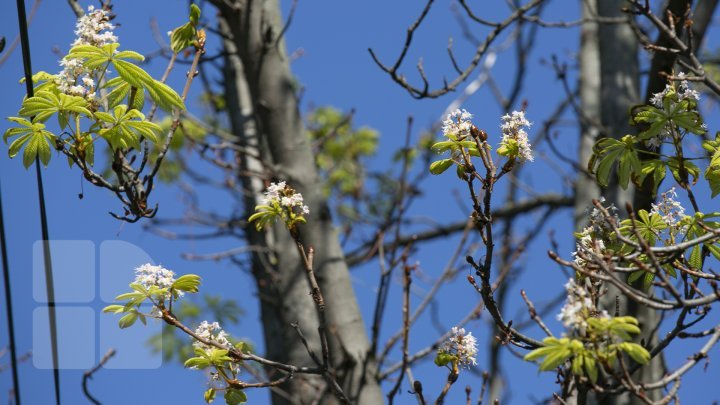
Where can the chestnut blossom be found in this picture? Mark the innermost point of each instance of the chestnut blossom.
(683, 92)
(597, 221)
(457, 123)
(669, 209)
(512, 129)
(586, 245)
(212, 332)
(461, 344)
(578, 307)
(148, 276)
(93, 29)
(282, 195)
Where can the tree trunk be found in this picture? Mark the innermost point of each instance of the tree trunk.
(609, 87)
(261, 91)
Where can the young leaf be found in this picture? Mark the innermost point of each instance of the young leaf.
(637, 352)
(114, 308)
(194, 14)
(188, 282)
(235, 397)
(209, 395)
(34, 137)
(128, 320)
(440, 166)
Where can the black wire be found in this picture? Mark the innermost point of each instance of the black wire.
(49, 283)
(8, 305)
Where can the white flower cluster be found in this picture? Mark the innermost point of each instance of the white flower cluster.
(683, 92)
(512, 128)
(148, 276)
(597, 220)
(669, 209)
(91, 29)
(94, 28)
(461, 344)
(585, 246)
(457, 123)
(281, 194)
(578, 307)
(212, 332)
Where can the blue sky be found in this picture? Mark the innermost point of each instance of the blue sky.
(335, 69)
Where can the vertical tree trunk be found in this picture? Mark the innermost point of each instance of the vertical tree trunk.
(609, 87)
(263, 86)
(586, 188)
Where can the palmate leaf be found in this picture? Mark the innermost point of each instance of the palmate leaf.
(608, 152)
(43, 81)
(185, 35)
(556, 352)
(654, 168)
(122, 92)
(655, 118)
(95, 57)
(182, 37)
(165, 97)
(132, 74)
(46, 103)
(188, 282)
(648, 226)
(34, 137)
(637, 352)
(126, 127)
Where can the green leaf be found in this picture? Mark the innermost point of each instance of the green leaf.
(132, 74)
(555, 358)
(128, 320)
(34, 137)
(442, 146)
(577, 365)
(635, 276)
(188, 282)
(695, 259)
(165, 97)
(117, 95)
(637, 352)
(235, 397)
(114, 308)
(443, 359)
(129, 296)
(590, 368)
(440, 166)
(690, 168)
(197, 362)
(47, 103)
(606, 153)
(127, 126)
(656, 169)
(129, 55)
(194, 14)
(712, 173)
(629, 162)
(209, 395)
(182, 37)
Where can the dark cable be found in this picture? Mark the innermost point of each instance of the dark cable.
(8, 305)
(50, 285)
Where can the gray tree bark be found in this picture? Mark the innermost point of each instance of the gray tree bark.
(609, 87)
(264, 113)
